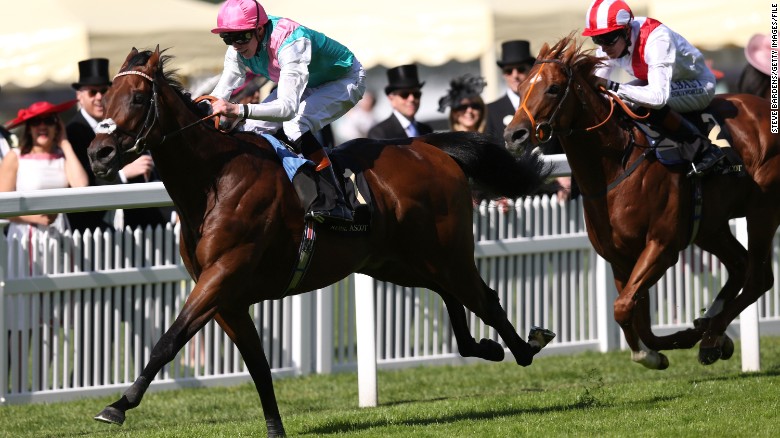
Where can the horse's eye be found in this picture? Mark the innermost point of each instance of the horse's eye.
(138, 99)
(554, 89)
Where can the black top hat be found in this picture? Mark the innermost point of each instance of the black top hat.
(92, 71)
(515, 52)
(403, 76)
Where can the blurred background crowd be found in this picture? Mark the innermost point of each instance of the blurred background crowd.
(42, 42)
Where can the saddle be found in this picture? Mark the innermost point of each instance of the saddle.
(673, 152)
(353, 185)
(357, 194)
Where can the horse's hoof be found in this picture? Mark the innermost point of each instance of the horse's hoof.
(664, 362)
(709, 355)
(491, 350)
(539, 337)
(111, 415)
(727, 349)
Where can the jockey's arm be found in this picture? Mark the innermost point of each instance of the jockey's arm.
(233, 75)
(294, 60)
(652, 94)
(660, 56)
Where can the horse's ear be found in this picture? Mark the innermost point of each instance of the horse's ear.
(130, 56)
(154, 60)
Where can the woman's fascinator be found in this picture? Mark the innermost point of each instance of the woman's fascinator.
(462, 87)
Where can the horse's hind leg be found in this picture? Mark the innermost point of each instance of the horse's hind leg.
(734, 257)
(239, 327)
(465, 285)
(487, 349)
(761, 229)
(197, 311)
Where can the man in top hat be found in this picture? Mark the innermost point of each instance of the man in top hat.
(403, 91)
(515, 63)
(90, 89)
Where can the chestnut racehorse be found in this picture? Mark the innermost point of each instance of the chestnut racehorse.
(242, 222)
(639, 213)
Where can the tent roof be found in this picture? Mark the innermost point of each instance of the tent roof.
(47, 49)
(389, 33)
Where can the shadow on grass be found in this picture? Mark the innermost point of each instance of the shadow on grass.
(339, 427)
(772, 372)
(442, 398)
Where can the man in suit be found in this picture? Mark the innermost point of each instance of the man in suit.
(515, 62)
(92, 86)
(404, 91)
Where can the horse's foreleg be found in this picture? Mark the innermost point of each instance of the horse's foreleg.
(632, 307)
(193, 316)
(239, 326)
(487, 349)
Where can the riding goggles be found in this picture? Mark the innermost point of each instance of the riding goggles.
(241, 37)
(607, 39)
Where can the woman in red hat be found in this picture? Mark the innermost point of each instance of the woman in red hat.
(43, 160)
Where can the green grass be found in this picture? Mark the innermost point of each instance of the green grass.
(589, 394)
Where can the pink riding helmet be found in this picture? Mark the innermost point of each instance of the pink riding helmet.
(238, 15)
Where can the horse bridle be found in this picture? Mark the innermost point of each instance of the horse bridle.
(110, 127)
(540, 129)
(544, 130)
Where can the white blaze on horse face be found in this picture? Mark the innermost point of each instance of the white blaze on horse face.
(106, 126)
(536, 78)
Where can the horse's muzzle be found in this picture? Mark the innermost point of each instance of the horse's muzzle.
(104, 159)
(516, 138)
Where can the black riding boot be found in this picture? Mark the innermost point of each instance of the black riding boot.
(327, 202)
(700, 151)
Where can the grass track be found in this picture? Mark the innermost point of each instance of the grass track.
(589, 394)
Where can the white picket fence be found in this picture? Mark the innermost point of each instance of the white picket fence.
(82, 314)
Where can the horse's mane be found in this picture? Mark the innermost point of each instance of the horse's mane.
(171, 76)
(569, 51)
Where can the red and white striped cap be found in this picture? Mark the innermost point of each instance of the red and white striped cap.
(605, 16)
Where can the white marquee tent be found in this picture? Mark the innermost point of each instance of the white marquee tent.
(42, 41)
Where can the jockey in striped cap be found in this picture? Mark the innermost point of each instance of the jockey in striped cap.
(670, 74)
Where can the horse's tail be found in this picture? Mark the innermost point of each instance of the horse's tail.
(492, 167)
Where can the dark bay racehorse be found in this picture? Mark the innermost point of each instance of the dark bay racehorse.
(242, 222)
(639, 213)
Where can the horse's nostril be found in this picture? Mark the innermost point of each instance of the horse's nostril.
(104, 152)
(518, 136)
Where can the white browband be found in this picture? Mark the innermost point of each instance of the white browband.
(133, 72)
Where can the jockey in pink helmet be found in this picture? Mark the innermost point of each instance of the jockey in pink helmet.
(671, 75)
(318, 80)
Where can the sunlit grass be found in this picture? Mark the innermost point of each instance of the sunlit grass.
(589, 394)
